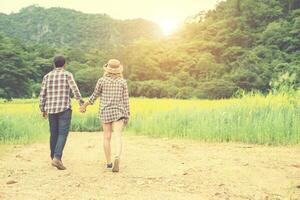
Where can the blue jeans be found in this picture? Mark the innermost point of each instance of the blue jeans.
(59, 129)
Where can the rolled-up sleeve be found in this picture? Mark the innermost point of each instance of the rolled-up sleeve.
(75, 89)
(126, 100)
(96, 93)
(43, 94)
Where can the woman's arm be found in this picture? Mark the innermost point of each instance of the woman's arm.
(126, 102)
(96, 93)
(93, 97)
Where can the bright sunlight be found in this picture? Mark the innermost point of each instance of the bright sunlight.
(168, 26)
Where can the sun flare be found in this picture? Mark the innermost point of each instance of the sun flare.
(168, 26)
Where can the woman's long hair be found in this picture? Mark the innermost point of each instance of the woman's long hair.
(113, 75)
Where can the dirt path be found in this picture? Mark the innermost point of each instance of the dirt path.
(152, 169)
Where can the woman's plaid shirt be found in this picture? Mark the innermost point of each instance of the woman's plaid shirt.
(114, 98)
(55, 92)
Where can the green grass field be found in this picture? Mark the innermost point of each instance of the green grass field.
(272, 119)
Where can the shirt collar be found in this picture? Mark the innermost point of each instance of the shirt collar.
(58, 68)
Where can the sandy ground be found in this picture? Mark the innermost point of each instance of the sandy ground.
(152, 169)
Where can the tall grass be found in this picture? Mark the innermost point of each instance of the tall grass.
(21, 127)
(239, 120)
(272, 119)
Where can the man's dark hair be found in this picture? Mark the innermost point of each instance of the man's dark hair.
(59, 61)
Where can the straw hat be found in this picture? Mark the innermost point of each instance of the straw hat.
(113, 66)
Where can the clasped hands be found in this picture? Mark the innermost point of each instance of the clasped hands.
(82, 108)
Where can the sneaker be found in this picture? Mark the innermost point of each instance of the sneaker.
(58, 164)
(109, 166)
(116, 165)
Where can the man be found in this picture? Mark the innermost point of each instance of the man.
(55, 104)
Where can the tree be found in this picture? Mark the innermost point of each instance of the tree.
(249, 45)
(238, 6)
(14, 70)
(87, 79)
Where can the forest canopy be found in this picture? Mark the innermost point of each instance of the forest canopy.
(240, 45)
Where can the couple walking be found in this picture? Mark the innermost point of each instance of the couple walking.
(55, 104)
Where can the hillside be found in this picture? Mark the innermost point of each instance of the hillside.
(60, 27)
(237, 46)
(240, 45)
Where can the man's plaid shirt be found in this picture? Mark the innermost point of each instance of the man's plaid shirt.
(55, 92)
(114, 99)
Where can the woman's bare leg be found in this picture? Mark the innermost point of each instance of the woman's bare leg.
(118, 131)
(107, 131)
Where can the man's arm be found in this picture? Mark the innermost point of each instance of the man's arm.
(43, 95)
(75, 89)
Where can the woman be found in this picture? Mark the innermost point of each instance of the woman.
(114, 108)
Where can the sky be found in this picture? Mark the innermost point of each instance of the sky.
(167, 13)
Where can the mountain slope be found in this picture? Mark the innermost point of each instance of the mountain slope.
(64, 27)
